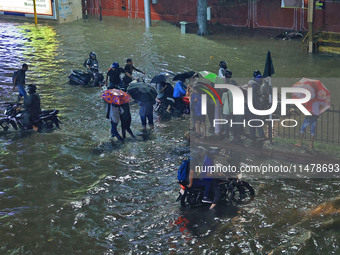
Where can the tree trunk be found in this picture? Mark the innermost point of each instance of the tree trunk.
(202, 17)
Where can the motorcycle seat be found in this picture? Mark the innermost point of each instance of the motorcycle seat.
(48, 113)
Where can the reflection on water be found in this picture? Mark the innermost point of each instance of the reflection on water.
(75, 191)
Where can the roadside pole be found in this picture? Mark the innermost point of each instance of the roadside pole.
(310, 25)
(86, 9)
(147, 12)
(270, 128)
(100, 10)
(35, 13)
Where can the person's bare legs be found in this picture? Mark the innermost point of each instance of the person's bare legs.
(311, 146)
(197, 126)
(212, 206)
(300, 142)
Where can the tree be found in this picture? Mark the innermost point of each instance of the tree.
(202, 17)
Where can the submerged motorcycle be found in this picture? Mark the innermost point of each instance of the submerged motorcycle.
(15, 118)
(231, 190)
(78, 77)
(165, 112)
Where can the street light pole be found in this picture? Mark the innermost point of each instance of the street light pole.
(35, 13)
(310, 25)
(147, 12)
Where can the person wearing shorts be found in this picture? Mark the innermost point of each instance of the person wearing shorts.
(308, 121)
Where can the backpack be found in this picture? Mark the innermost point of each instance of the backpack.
(169, 90)
(85, 62)
(183, 171)
(15, 73)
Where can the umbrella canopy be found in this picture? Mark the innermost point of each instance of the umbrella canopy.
(203, 85)
(115, 96)
(214, 78)
(269, 67)
(162, 77)
(142, 92)
(321, 97)
(184, 76)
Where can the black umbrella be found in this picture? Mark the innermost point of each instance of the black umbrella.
(183, 76)
(141, 91)
(158, 78)
(161, 77)
(269, 67)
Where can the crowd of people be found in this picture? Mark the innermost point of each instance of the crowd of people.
(171, 97)
(167, 94)
(259, 98)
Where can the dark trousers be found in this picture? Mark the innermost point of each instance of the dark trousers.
(179, 105)
(227, 126)
(208, 186)
(114, 131)
(252, 130)
(237, 129)
(211, 113)
(150, 119)
(203, 183)
(126, 127)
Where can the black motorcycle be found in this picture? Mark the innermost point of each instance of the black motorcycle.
(165, 112)
(15, 118)
(78, 77)
(231, 190)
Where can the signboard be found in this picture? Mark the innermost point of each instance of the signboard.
(320, 5)
(294, 3)
(44, 7)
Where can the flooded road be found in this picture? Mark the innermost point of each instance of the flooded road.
(74, 191)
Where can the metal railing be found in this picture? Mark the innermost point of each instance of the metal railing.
(327, 129)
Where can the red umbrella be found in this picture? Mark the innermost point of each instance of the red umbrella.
(116, 96)
(321, 97)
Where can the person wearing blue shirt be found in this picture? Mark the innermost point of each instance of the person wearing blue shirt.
(205, 179)
(179, 92)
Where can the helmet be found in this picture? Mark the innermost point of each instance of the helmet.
(223, 64)
(32, 88)
(115, 65)
(92, 54)
(257, 74)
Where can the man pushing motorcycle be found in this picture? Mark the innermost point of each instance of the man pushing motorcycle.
(205, 180)
(31, 107)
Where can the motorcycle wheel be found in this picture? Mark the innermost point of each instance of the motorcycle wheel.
(241, 192)
(96, 81)
(183, 202)
(194, 199)
(56, 122)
